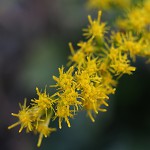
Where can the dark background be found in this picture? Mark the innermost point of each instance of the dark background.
(34, 36)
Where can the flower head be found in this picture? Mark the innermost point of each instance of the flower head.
(96, 29)
(120, 64)
(78, 57)
(25, 118)
(65, 79)
(63, 112)
(44, 101)
(44, 130)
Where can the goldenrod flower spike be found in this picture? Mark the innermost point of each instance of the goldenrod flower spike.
(92, 76)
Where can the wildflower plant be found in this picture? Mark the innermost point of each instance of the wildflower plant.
(93, 71)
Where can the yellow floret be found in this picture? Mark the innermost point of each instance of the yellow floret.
(44, 102)
(25, 118)
(96, 28)
(63, 112)
(77, 58)
(44, 130)
(65, 80)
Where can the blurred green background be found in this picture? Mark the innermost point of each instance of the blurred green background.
(34, 38)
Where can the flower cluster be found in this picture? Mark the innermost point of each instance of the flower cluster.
(36, 117)
(92, 76)
(136, 18)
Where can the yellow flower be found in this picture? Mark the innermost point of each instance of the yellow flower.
(108, 83)
(96, 29)
(92, 93)
(44, 130)
(91, 66)
(63, 112)
(69, 97)
(77, 58)
(87, 47)
(44, 102)
(67, 105)
(136, 19)
(93, 98)
(120, 64)
(129, 43)
(82, 79)
(25, 118)
(65, 80)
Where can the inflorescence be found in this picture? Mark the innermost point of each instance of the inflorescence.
(92, 75)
